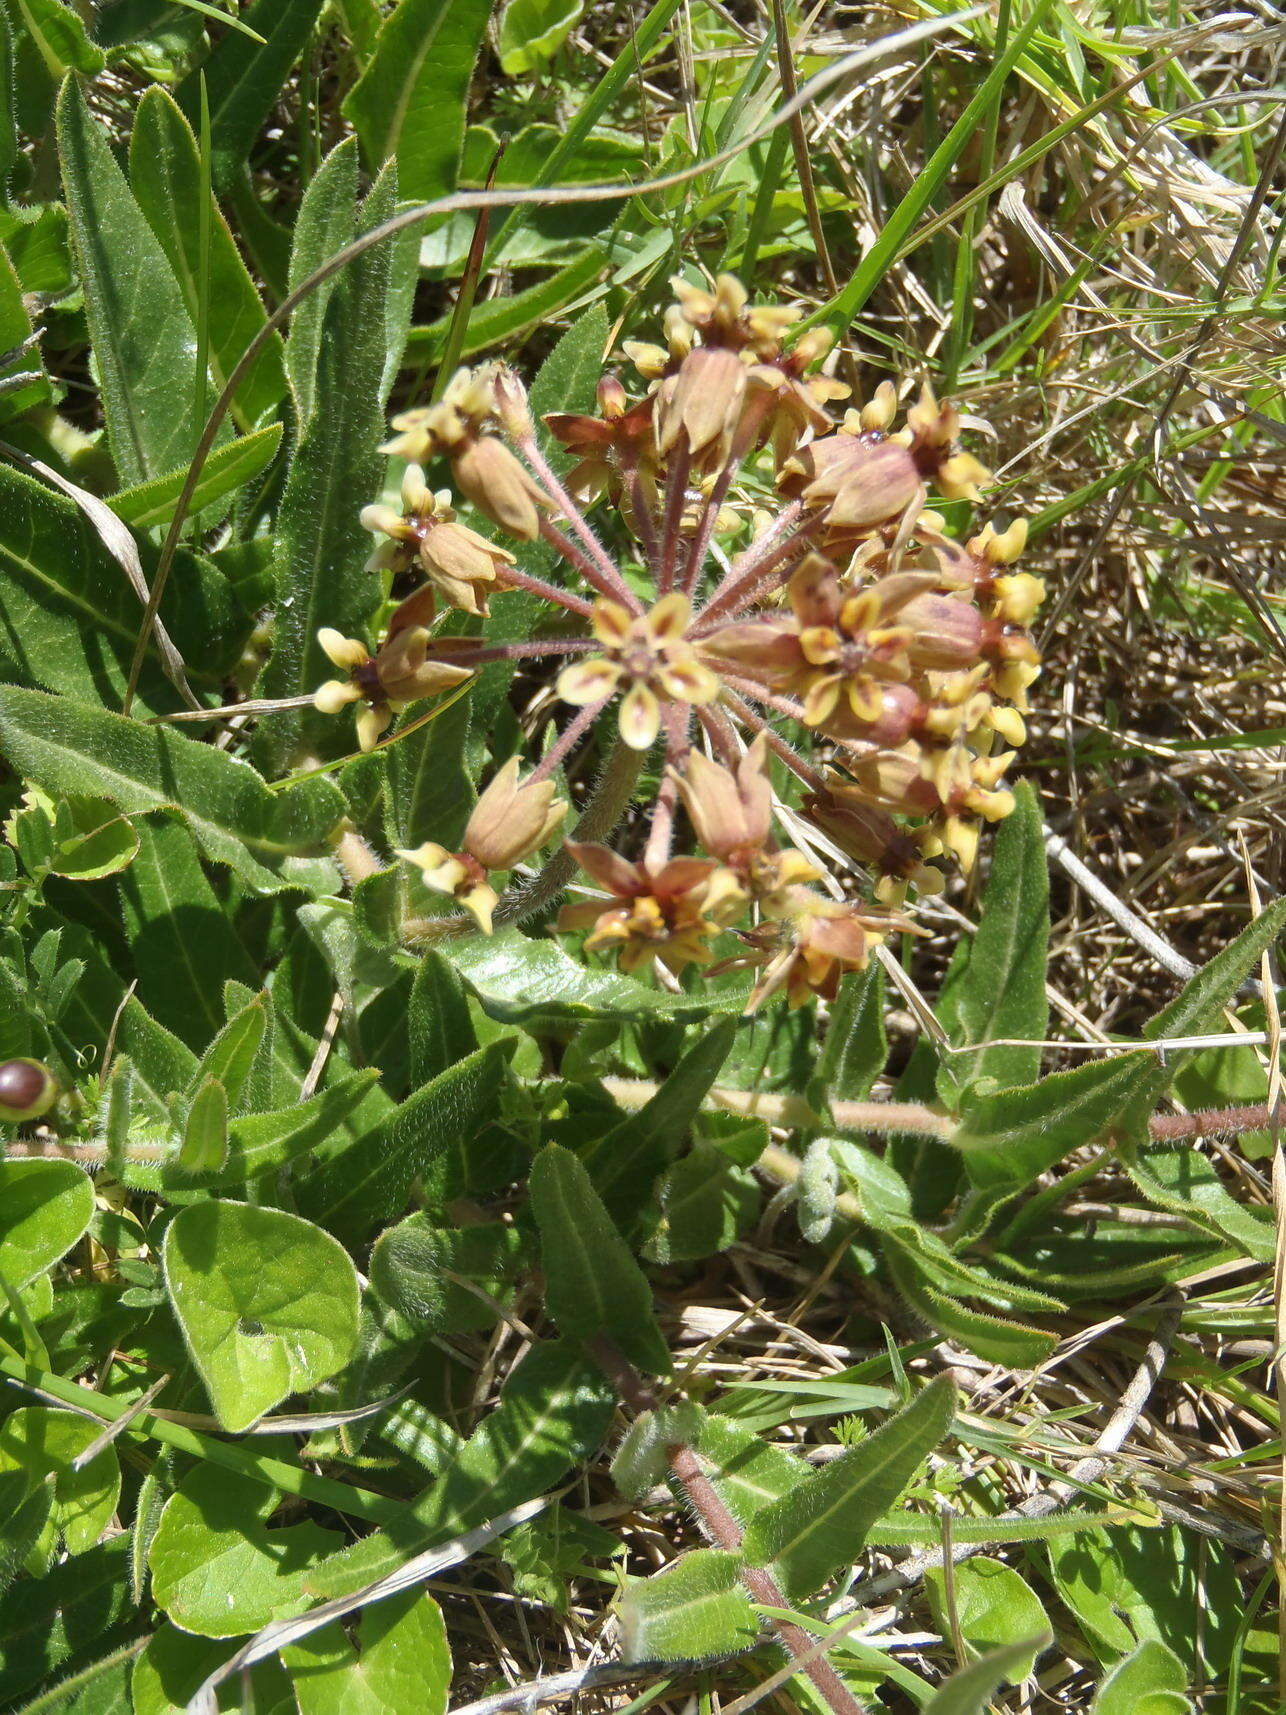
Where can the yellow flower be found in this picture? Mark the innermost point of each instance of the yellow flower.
(648, 653)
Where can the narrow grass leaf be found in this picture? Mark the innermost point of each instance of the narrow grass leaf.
(969, 1690)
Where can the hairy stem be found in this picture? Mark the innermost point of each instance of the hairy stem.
(613, 582)
(613, 588)
(566, 741)
(749, 568)
(723, 1530)
(515, 579)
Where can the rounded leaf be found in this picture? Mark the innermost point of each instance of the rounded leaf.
(45, 1206)
(43, 1443)
(268, 1304)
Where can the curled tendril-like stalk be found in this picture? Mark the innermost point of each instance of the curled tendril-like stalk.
(767, 563)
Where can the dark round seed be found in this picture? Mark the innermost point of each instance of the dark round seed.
(27, 1090)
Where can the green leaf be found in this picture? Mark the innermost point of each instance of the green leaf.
(641, 1460)
(183, 946)
(45, 1621)
(995, 1606)
(268, 1304)
(993, 1337)
(1150, 1681)
(856, 1046)
(968, 1692)
(69, 619)
(205, 1132)
(43, 1443)
(227, 469)
(217, 1569)
(437, 1019)
(59, 37)
(417, 1268)
(430, 792)
(165, 171)
(705, 1203)
(748, 1472)
(67, 749)
(400, 1661)
(694, 1610)
(517, 979)
(244, 78)
(1184, 1182)
(45, 1207)
(532, 31)
(91, 839)
(997, 988)
(593, 1286)
(371, 1180)
(553, 1412)
(231, 1056)
(175, 1663)
(144, 342)
(326, 222)
(410, 102)
(819, 1527)
(626, 1161)
(321, 545)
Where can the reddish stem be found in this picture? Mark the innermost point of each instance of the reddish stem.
(547, 592)
(793, 760)
(613, 583)
(749, 569)
(675, 494)
(612, 587)
(567, 740)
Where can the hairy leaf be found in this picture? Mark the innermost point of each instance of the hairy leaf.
(694, 1610)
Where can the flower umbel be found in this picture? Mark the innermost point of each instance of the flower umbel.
(754, 568)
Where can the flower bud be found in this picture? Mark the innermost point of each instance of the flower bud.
(511, 821)
(27, 1090)
(1000, 547)
(499, 486)
(947, 633)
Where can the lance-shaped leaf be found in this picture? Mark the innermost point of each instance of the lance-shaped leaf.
(244, 77)
(819, 1527)
(856, 1045)
(998, 1338)
(996, 989)
(593, 1285)
(410, 101)
(205, 1131)
(48, 1620)
(165, 171)
(268, 1304)
(437, 1019)
(231, 1056)
(326, 222)
(151, 504)
(67, 748)
(695, 1610)
(321, 545)
(58, 34)
(143, 337)
(553, 1411)
(969, 1691)
(1184, 1182)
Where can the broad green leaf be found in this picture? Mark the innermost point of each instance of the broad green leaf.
(969, 1691)
(183, 947)
(430, 792)
(165, 171)
(144, 342)
(1150, 1681)
(705, 1203)
(517, 978)
(45, 1621)
(748, 1472)
(205, 1131)
(410, 102)
(437, 1019)
(399, 1661)
(996, 988)
(371, 1180)
(321, 545)
(45, 1207)
(91, 839)
(819, 1527)
(326, 222)
(625, 1162)
(217, 1569)
(695, 1610)
(553, 1412)
(23, 1511)
(67, 749)
(593, 1286)
(532, 31)
(175, 1663)
(995, 1606)
(227, 469)
(43, 1442)
(268, 1304)
(59, 36)
(244, 78)
(69, 619)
